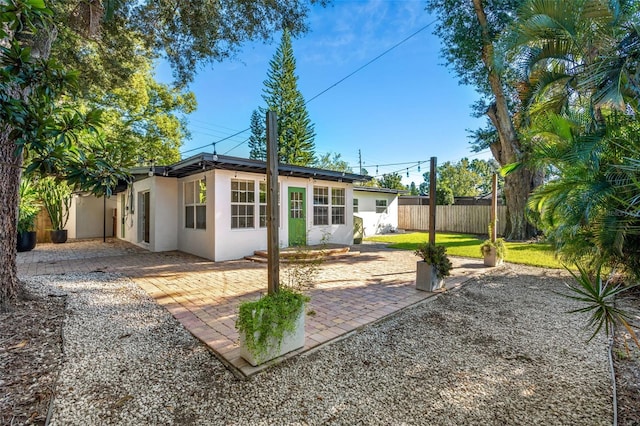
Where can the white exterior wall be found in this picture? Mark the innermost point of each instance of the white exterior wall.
(218, 241)
(338, 234)
(164, 214)
(237, 243)
(377, 223)
(200, 242)
(86, 217)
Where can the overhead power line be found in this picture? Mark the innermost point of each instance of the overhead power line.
(372, 61)
(328, 88)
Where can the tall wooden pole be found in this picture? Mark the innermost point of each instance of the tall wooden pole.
(494, 208)
(104, 217)
(273, 248)
(432, 201)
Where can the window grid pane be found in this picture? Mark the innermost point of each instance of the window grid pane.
(337, 216)
(355, 205)
(188, 193)
(381, 206)
(320, 215)
(195, 199)
(188, 217)
(242, 204)
(337, 196)
(320, 196)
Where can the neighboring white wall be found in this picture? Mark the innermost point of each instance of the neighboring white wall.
(86, 216)
(377, 223)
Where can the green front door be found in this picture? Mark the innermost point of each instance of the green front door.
(297, 222)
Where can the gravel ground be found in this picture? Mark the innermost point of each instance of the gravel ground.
(500, 350)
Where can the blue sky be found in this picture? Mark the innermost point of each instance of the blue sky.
(403, 108)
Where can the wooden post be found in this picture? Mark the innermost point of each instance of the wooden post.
(432, 201)
(494, 208)
(104, 217)
(273, 248)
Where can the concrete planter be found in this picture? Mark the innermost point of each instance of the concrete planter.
(427, 277)
(491, 258)
(290, 342)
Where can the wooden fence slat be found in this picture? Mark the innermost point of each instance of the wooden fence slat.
(463, 219)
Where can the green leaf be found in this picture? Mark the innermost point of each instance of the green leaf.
(510, 168)
(36, 4)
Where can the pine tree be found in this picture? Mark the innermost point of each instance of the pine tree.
(258, 138)
(295, 130)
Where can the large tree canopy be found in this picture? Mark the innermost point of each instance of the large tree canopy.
(471, 35)
(464, 178)
(108, 42)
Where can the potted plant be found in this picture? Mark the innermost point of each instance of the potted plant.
(493, 252)
(271, 326)
(434, 266)
(56, 197)
(28, 209)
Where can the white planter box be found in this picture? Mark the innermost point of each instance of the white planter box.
(427, 278)
(492, 259)
(290, 342)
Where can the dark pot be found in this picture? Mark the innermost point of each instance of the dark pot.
(59, 236)
(26, 240)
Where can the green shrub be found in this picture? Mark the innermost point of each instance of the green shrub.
(436, 256)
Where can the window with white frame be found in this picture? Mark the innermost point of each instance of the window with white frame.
(355, 205)
(242, 204)
(320, 205)
(338, 206)
(195, 204)
(263, 204)
(381, 206)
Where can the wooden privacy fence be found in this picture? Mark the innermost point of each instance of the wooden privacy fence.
(464, 219)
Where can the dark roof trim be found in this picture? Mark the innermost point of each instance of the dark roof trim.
(379, 190)
(205, 161)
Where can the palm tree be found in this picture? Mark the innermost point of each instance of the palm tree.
(579, 62)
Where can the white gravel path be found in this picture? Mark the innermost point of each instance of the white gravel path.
(501, 350)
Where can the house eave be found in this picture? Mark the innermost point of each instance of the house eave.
(206, 161)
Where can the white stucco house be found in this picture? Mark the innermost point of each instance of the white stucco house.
(214, 206)
(378, 209)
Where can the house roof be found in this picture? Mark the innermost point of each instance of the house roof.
(206, 161)
(380, 190)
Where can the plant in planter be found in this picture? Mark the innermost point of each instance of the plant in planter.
(274, 324)
(56, 197)
(494, 252)
(434, 266)
(271, 326)
(27, 213)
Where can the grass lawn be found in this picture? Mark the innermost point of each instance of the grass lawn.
(534, 254)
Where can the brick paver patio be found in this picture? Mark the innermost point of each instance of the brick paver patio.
(204, 295)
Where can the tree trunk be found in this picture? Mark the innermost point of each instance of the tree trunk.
(519, 183)
(11, 173)
(10, 168)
